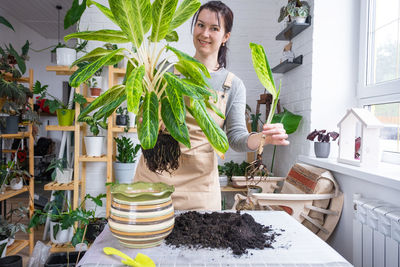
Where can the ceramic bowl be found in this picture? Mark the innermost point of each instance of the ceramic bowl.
(142, 214)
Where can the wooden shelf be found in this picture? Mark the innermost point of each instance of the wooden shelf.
(8, 77)
(16, 247)
(19, 135)
(285, 66)
(61, 247)
(90, 99)
(10, 193)
(60, 128)
(58, 186)
(9, 150)
(93, 159)
(62, 70)
(121, 129)
(292, 30)
(232, 189)
(119, 72)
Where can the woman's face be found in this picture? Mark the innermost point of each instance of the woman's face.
(209, 33)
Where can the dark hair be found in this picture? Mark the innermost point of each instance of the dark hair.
(226, 13)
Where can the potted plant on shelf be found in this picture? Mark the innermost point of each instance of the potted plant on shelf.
(322, 146)
(94, 143)
(94, 88)
(61, 173)
(13, 95)
(17, 176)
(8, 229)
(124, 167)
(123, 118)
(295, 9)
(148, 87)
(65, 115)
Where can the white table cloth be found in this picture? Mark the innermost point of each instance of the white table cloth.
(296, 246)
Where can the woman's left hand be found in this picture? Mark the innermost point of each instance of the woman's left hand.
(275, 134)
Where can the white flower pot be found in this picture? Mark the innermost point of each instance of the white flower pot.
(132, 118)
(65, 56)
(223, 180)
(94, 146)
(300, 19)
(65, 176)
(3, 245)
(63, 236)
(124, 172)
(16, 183)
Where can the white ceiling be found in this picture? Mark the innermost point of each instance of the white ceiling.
(39, 15)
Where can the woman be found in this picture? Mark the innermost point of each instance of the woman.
(196, 180)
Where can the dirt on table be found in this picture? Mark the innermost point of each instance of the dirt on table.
(220, 230)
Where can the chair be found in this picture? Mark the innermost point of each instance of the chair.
(310, 194)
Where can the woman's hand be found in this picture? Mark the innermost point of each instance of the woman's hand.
(275, 134)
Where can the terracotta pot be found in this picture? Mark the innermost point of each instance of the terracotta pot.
(142, 214)
(95, 92)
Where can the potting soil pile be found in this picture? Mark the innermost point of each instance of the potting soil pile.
(220, 230)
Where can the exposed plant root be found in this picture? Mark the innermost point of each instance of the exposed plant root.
(164, 156)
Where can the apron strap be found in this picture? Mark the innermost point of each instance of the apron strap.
(228, 82)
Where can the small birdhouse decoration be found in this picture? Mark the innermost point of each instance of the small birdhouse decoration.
(359, 133)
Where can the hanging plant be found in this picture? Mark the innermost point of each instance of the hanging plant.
(157, 96)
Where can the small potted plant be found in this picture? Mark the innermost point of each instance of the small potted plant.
(61, 173)
(94, 143)
(8, 229)
(67, 55)
(65, 115)
(323, 145)
(124, 167)
(223, 179)
(297, 10)
(17, 175)
(123, 118)
(94, 88)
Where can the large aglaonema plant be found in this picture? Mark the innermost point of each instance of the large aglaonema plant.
(151, 91)
(264, 73)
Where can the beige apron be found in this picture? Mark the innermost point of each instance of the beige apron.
(196, 180)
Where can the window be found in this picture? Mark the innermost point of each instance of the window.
(379, 71)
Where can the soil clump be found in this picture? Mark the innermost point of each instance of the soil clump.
(220, 230)
(164, 156)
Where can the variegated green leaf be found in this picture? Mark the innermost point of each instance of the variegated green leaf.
(84, 73)
(183, 13)
(178, 131)
(175, 97)
(183, 57)
(107, 110)
(74, 14)
(261, 66)
(191, 71)
(103, 100)
(215, 109)
(172, 37)
(134, 88)
(134, 18)
(148, 127)
(20, 61)
(200, 89)
(98, 53)
(105, 10)
(215, 135)
(162, 12)
(174, 81)
(108, 36)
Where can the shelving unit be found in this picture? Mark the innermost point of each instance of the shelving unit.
(292, 30)
(287, 34)
(285, 66)
(21, 244)
(113, 75)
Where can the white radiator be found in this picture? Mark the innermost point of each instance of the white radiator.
(376, 233)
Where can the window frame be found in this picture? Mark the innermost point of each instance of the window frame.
(381, 93)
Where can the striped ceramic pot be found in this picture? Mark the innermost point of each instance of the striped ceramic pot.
(142, 214)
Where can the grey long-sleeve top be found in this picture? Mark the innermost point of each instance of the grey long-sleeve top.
(235, 121)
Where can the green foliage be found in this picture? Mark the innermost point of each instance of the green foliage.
(55, 103)
(294, 8)
(94, 124)
(126, 151)
(74, 13)
(233, 169)
(9, 229)
(147, 76)
(6, 22)
(56, 164)
(68, 218)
